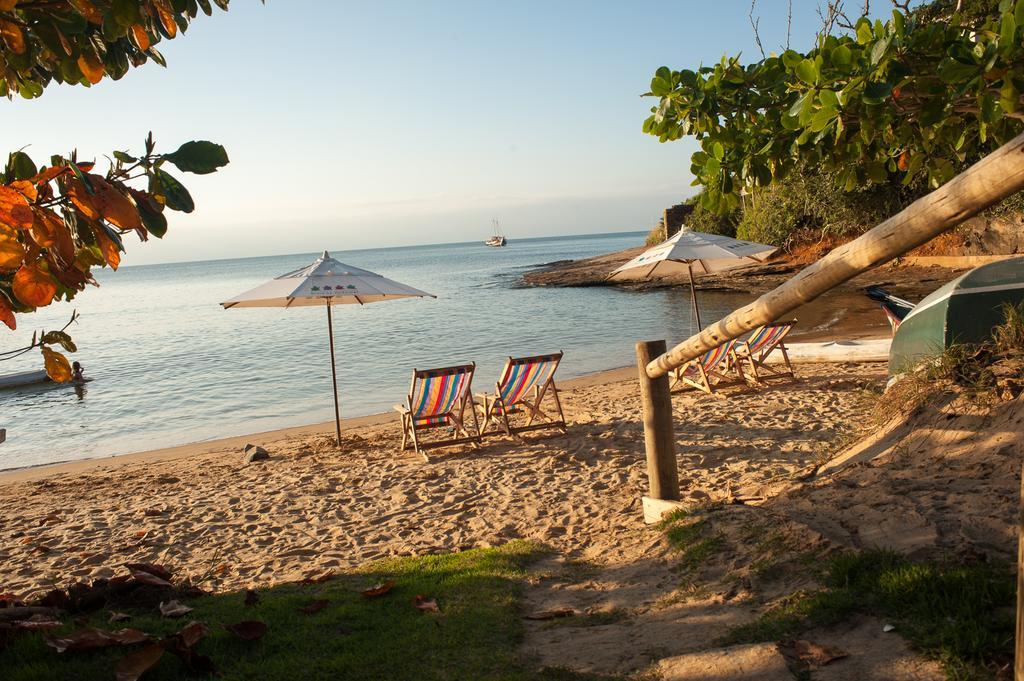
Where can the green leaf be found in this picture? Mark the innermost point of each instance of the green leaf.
(124, 157)
(828, 98)
(822, 118)
(1018, 13)
(799, 105)
(155, 223)
(878, 50)
(660, 87)
(842, 56)
(126, 12)
(718, 151)
(200, 157)
(20, 166)
(864, 34)
(1009, 98)
(174, 192)
(59, 338)
(875, 92)
(807, 71)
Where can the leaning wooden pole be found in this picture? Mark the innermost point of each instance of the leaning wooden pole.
(990, 180)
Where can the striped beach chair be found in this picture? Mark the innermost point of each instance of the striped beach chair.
(438, 399)
(716, 367)
(521, 389)
(763, 342)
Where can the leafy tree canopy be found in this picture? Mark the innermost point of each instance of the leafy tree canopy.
(83, 41)
(910, 98)
(60, 219)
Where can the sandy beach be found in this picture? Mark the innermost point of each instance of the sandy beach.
(310, 508)
(770, 471)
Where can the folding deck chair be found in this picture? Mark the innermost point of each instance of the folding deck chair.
(716, 367)
(756, 349)
(521, 389)
(437, 399)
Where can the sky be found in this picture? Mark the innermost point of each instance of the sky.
(373, 124)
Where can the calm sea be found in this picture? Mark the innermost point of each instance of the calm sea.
(170, 366)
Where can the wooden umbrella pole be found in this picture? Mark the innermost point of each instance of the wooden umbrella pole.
(334, 374)
(693, 296)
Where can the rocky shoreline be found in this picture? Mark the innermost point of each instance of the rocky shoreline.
(842, 312)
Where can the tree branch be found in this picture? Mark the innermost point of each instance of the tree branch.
(754, 24)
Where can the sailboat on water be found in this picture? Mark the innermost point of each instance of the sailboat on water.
(498, 239)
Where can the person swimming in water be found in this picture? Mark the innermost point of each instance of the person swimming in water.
(76, 371)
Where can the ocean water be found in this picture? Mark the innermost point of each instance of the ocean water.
(169, 366)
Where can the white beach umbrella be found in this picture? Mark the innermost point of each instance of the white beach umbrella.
(693, 252)
(326, 282)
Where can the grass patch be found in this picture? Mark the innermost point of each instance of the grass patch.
(961, 615)
(475, 635)
(691, 538)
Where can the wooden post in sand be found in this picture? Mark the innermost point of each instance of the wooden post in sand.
(987, 182)
(1018, 649)
(659, 433)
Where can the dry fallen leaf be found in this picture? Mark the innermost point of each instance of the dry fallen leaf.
(174, 609)
(315, 606)
(91, 639)
(149, 578)
(138, 663)
(118, 616)
(551, 614)
(37, 622)
(192, 633)
(425, 604)
(249, 630)
(379, 589)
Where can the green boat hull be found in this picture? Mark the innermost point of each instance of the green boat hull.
(965, 310)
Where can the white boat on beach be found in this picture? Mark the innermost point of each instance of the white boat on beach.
(23, 378)
(866, 350)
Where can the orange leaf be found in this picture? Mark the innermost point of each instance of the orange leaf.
(111, 253)
(45, 227)
(14, 210)
(26, 188)
(12, 36)
(12, 252)
(82, 199)
(166, 17)
(7, 314)
(33, 287)
(141, 37)
(7, 5)
(58, 368)
(49, 174)
(89, 11)
(91, 67)
(115, 207)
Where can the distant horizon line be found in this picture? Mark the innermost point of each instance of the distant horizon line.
(382, 248)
